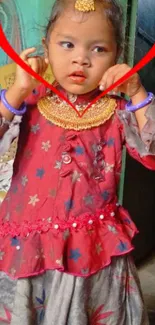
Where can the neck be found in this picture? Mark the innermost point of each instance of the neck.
(81, 98)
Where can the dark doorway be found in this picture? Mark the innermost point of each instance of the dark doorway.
(139, 191)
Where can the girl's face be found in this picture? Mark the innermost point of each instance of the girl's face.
(81, 48)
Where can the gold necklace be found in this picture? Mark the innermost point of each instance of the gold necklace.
(60, 113)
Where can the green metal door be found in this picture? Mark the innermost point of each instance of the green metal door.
(130, 8)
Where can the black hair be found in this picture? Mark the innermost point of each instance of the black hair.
(112, 10)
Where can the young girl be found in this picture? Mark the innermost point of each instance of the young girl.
(65, 242)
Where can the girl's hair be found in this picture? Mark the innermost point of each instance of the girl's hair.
(112, 10)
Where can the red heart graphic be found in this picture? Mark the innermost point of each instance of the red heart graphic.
(7, 48)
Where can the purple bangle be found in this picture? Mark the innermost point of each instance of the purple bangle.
(132, 108)
(19, 112)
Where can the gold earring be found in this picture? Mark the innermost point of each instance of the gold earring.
(85, 5)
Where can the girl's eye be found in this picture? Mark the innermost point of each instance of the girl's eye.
(67, 45)
(99, 49)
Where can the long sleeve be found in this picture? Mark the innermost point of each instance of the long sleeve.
(141, 146)
(8, 146)
(9, 143)
(13, 131)
(10, 135)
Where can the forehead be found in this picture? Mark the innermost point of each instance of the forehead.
(84, 25)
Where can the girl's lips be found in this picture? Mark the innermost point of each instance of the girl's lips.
(77, 76)
(77, 79)
(78, 73)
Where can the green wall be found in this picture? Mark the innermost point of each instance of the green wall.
(22, 22)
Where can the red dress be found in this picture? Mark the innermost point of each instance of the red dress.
(61, 211)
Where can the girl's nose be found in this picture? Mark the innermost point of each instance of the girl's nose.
(82, 60)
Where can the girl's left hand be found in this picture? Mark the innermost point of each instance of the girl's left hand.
(130, 87)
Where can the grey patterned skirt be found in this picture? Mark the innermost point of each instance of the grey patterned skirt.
(110, 297)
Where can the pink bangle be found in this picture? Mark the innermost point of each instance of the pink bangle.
(9, 107)
(133, 108)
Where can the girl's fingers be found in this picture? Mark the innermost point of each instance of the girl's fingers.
(42, 65)
(37, 64)
(46, 61)
(24, 55)
(111, 70)
(33, 63)
(108, 81)
(30, 60)
(112, 75)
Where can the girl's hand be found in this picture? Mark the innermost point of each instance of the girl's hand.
(130, 87)
(23, 80)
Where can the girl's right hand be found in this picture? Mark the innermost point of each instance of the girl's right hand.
(23, 85)
(23, 80)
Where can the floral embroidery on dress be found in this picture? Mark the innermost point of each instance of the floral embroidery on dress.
(33, 200)
(69, 204)
(24, 180)
(128, 282)
(88, 199)
(46, 145)
(75, 254)
(76, 176)
(73, 206)
(98, 316)
(105, 195)
(35, 128)
(58, 164)
(6, 318)
(79, 150)
(41, 307)
(122, 246)
(99, 248)
(110, 142)
(40, 172)
(15, 242)
(109, 167)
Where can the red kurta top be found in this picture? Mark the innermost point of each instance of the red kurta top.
(61, 211)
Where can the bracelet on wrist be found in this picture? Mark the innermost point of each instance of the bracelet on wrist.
(14, 111)
(133, 108)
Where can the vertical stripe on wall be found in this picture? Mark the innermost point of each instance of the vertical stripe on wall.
(131, 19)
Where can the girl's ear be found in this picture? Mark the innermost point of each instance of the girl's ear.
(45, 49)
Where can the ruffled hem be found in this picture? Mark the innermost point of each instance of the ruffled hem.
(82, 249)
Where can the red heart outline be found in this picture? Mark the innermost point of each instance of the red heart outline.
(7, 48)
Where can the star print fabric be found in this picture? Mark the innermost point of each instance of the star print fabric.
(62, 202)
(64, 239)
(61, 211)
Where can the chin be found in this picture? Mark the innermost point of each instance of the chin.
(78, 89)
